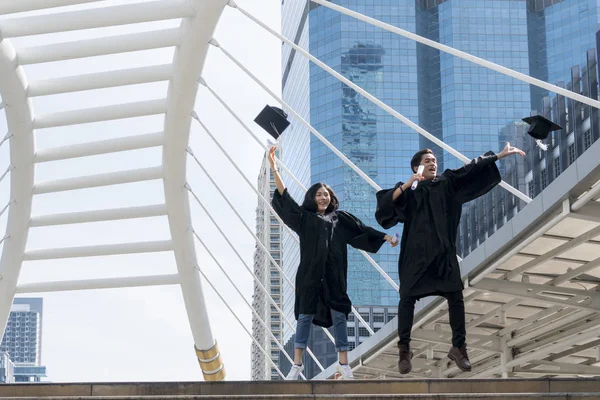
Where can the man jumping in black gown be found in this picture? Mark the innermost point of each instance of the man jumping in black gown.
(428, 264)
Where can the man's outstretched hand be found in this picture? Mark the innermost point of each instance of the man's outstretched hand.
(509, 150)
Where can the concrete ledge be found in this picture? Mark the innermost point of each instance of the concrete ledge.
(371, 387)
(456, 396)
(44, 389)
(201, 388)
(575, 385)
(430, 388)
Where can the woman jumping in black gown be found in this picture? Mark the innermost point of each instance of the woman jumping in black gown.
(321, 281)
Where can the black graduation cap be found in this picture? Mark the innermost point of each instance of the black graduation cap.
(540, 128)
(273, 120)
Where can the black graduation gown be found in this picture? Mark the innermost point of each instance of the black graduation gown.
(321, 280)
(428, 264)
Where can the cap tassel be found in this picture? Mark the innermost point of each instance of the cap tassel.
(541, 145)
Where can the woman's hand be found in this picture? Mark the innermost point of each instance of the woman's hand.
(392, 240)
(276, 176)
(272, 157)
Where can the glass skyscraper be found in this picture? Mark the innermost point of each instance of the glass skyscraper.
(562, 49)
(469, 107)
(385, 65)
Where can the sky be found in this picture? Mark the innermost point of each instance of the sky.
(142, 334)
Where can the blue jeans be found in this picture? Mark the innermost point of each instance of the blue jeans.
(340, 331)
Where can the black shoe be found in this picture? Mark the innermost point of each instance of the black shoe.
(404, 357)
(460, 357)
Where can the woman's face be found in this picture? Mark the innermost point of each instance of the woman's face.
(322, 199)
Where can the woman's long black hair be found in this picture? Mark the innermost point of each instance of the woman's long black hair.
(309, 199)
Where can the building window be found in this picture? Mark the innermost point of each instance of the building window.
(362, 331)
(571, 153)
(587, 139)
(544, 176)
(378, 317)
(557, 170)
(351, 331)
(530, 189)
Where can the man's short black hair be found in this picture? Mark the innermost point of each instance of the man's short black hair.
(416, 160)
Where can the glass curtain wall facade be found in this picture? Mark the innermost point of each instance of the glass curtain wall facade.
(385, 65)
(566, 55)
(562, 37)
(472, 107)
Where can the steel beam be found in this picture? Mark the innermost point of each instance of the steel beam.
(543, 293)
(98, 114)
(100, 250)
(101, 80)
(96, 18)
(99, 47)
(92, 284)
(12, 7)
(100, 147)
(592, 233)
(99, 215)
(112, 178)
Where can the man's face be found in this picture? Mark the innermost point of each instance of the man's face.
(430, 163)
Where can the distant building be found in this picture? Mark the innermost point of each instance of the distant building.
(268, 230)
(7, 369)
(22, 342)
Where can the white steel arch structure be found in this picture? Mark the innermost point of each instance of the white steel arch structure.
(199, 19)
(191, 40)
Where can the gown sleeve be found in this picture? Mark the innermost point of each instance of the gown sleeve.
(474, 179)
(359, 235)
(390, 212)
(287, 209)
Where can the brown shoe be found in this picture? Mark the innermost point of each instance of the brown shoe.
(405, 355)
(460, 357)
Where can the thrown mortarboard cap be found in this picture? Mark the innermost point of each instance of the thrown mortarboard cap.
(273, 120)
(540, 128)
